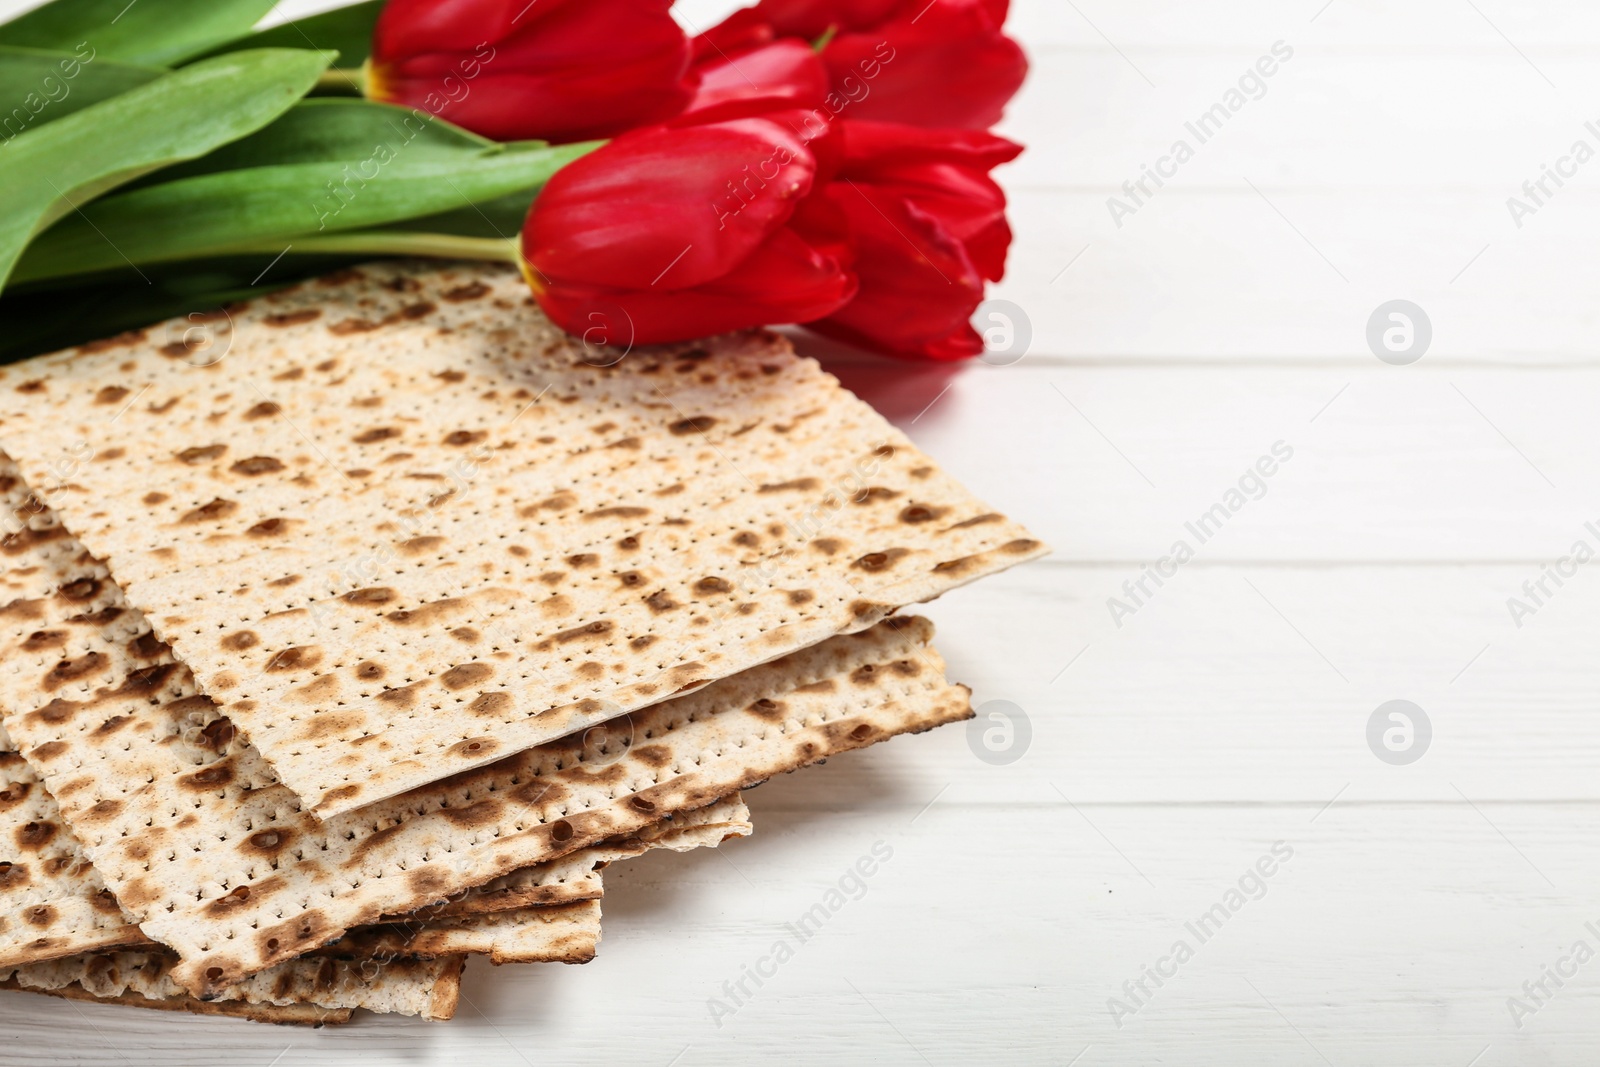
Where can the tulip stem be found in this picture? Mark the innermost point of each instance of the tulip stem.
(406, 243)
(347, 80)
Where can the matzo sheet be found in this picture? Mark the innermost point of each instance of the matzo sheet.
(403, 527)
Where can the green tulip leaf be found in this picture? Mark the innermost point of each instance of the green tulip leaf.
(158, 32)
(58, 168)
(327, 129)
(346, 30)
(500, 217)
(267, 208)
(38, 86)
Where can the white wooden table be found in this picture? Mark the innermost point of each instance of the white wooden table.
(1226, 718)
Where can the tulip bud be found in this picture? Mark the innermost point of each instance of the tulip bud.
(928, 227)
(720, 220)
(553, 70)
(941, 63)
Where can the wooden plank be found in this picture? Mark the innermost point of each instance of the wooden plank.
(1111, 462)
(1250, 683)
(1439, 920)
(1223, 274)
(1484, 121)
(1393, 934)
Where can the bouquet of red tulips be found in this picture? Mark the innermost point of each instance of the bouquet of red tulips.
(824, 162)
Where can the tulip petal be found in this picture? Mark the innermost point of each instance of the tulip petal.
(945, 174)
(574, 106)
(919, 288)
(824, 225)
(870, 144)
(669, 208)
(968, 205)
(785, 280)
(744, 29)
(417, 27)
(952, 67)
(594, 34)
(787, 70)
(789, 276)
(560, 71)
(812, 18)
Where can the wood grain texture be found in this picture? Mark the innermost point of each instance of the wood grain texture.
(1229, 712)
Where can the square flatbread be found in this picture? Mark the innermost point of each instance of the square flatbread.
(210, 854)
(399, 526)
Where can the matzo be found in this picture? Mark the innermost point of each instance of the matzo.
(54, 904)
(559, 933)
(288, 1015)
(576, 877)
(426, 987)
(404, 528)
(212, 856)
(254, 879)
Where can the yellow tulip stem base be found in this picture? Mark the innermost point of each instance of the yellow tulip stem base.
(404, 243)
(347, 80)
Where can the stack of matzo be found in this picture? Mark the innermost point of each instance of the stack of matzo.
(359, 640)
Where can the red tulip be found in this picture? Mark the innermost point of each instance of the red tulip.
(942, 63)
(721, 220)
(929, 228)
(555, 70)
